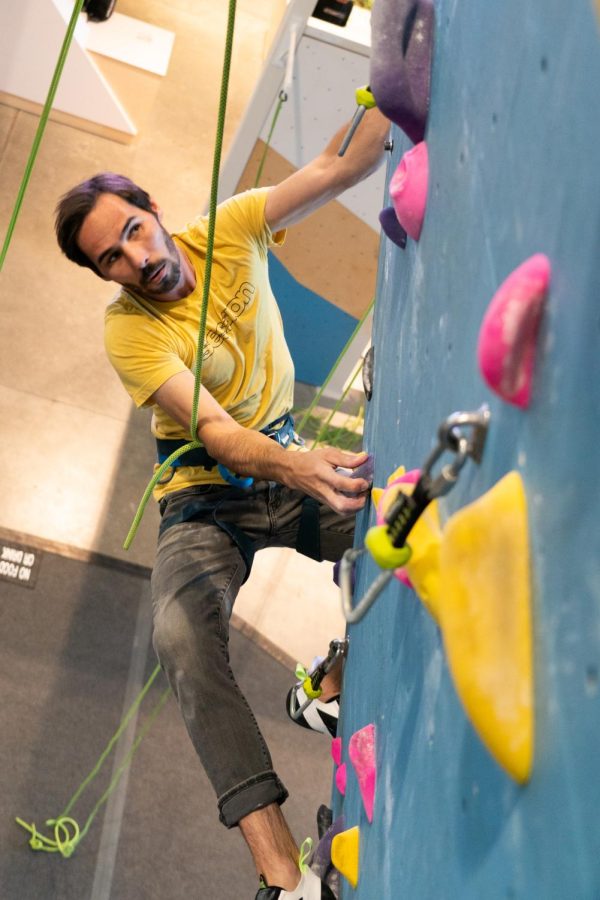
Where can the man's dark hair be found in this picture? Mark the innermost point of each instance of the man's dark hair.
(76, 204)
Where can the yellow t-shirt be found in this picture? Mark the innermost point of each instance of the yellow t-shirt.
(246, 365)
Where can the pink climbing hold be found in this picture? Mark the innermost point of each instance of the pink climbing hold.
(341, 778)
(361, 750)
(508, 334)
(408, 189)
(336, 751)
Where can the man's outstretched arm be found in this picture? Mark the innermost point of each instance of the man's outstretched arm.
(248, 452)
(329, 174)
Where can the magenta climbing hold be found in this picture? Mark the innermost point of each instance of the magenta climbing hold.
(336, 751)
(361, 750)
(408, 189)
(391, 227)
(401, 53)
(508, 334)
(341, 778)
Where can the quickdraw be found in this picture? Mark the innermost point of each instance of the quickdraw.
(387, 543)
(311, 681)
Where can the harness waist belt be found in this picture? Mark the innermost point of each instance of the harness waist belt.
(281, 430)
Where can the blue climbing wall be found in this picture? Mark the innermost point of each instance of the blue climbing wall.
(314, 349)
(514, 142)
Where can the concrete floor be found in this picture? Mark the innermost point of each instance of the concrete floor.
(75, 456)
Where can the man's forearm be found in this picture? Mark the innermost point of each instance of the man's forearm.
(365, 152)
(247, 452)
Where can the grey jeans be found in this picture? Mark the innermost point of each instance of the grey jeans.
(206, 542)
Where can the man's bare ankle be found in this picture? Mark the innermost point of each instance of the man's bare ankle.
(272, 846)
(330, 686)
(283, 875)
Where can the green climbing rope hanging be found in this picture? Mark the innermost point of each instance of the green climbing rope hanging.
(212, 213)
(280, 101)
(66, 832)
(41, 128)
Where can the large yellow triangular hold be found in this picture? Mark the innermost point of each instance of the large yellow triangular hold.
(485, 617)
(345, 848)
(423, 567)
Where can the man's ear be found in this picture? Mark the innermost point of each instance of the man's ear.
(156, 209)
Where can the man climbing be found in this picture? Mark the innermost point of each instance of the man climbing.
(210, 527)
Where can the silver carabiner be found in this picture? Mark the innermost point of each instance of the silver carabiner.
(451, 439)
(352, 613)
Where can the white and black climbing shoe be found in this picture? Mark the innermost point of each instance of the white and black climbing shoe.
(318, 715)
(309, 888)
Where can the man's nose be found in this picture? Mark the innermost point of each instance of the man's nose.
(136, 255)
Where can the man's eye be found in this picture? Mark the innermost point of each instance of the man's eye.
(112, 258)
(135, 227)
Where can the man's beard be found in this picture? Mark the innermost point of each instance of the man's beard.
(172, 272)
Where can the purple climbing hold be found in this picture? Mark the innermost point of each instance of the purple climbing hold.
(392, 227)
(401, 52)
(365, 470)
(321, 863)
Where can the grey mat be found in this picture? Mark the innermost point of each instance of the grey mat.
(68, 654)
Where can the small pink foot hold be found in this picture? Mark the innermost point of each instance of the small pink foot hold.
(408, 189)
(341, 777)
(401, 52)
(361, 751)
(507, 338)
(336, 751)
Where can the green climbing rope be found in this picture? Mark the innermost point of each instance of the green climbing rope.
(67, 833)
(280, 101)
(210, 240)
(41, 128)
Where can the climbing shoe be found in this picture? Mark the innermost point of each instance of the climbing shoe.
(310, 888)
(318, 715)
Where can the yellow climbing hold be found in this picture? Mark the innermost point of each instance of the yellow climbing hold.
(376, 495)
(423, 567)
(344, 853)
(485, 617)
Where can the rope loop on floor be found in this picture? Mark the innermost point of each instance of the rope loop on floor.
(63, 842)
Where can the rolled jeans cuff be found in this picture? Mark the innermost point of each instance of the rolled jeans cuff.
(248, 796)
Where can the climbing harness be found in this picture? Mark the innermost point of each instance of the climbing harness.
(280, 430)
(311, 681)
(365, 100)
(387, 543)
